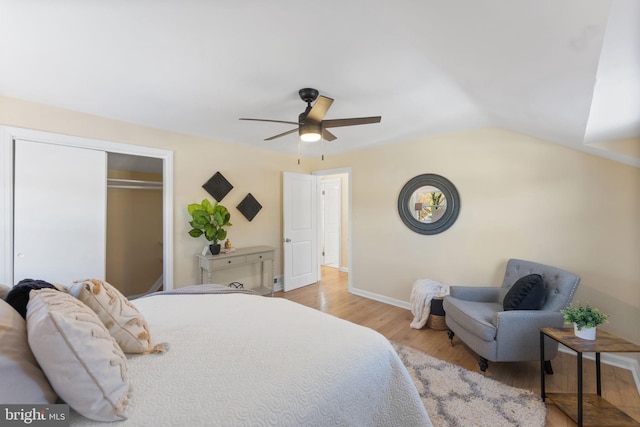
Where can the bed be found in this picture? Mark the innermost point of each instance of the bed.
(238, 359)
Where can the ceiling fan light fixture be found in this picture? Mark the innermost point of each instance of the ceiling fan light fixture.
(310, 132)
(311, 125)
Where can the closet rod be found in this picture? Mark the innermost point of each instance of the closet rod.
(133, 184)
(134, 181)
(134, 187)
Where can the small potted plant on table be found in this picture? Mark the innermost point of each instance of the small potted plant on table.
(585, 319)
(209, 219)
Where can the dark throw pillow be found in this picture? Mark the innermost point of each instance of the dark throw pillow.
(528, 293)
(18, 297)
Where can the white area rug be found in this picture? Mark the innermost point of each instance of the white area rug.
(455, 396)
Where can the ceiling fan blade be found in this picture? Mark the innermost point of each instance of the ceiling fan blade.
(272, 121)
(350, 122)
(328, 136)
(319, 109)
(282, 134)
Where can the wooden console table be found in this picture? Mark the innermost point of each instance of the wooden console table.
(598, 411)
(262, 255)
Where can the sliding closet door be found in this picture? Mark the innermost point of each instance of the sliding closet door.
(59, 212)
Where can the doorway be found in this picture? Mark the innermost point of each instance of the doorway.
(330, 222)
(302, 251)
(335, 219)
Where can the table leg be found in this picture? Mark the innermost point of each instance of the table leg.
(598, 382)
(272, 277)
(542, 379)
(579, 389)
(262, 274)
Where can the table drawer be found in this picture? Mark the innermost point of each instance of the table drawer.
(260, 257)
(227, 262)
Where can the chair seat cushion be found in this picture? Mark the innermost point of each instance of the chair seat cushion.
(528, 293)
(477, 317)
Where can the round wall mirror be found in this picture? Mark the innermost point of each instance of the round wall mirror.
(429, 204)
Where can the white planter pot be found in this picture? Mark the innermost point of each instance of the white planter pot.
(585, 333)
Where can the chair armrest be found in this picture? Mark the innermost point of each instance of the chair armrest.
(518, 334)
(475, 293)
(526, 320)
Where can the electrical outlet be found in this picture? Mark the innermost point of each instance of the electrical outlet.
(277, 282)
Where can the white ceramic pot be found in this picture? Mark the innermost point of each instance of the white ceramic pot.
(585, 333)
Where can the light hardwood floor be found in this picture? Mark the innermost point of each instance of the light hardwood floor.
(330, 295)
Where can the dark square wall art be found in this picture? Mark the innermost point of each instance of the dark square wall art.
(249, 207)
(218, 186)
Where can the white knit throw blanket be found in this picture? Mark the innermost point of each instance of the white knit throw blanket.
(423, 291)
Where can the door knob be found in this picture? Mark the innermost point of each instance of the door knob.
(287, 240)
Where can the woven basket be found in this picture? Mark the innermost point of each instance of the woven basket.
(436, 318)
(436, 322)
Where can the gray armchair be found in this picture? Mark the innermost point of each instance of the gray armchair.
(476, 315)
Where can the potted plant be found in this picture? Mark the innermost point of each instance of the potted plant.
(437, 206)
(210, 220)
(584, 319)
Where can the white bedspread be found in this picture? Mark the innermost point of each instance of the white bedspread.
(246, 360)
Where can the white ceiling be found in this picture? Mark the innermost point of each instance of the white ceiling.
(566, 71)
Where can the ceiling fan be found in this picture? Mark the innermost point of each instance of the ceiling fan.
(311, 126)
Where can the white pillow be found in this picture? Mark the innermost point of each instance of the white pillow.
(123, 320)
(82, 361)
(23, 381)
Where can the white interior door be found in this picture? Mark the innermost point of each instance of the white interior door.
(59, 212)
(300, 217)
(331, 222)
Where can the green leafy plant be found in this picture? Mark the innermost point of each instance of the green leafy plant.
(210, 220)
(584, 316)
(436, 200)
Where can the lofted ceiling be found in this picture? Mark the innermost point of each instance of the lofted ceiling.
(565, 71)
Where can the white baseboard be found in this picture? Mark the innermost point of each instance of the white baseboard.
(606, 358)
(381, 298)
(344, 269)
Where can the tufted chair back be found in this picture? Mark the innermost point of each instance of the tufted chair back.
(561, 285)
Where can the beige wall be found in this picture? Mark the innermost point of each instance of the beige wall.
(248, 169)
(520, 198)
(134, 234)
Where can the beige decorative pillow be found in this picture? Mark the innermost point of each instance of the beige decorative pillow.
(4, 290)
(22, 379)
(60, 287)
(123, 320)
(82, 361)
